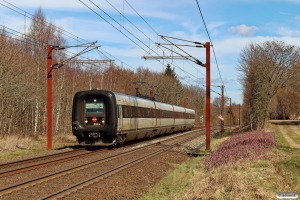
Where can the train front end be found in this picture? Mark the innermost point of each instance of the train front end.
(94, 117)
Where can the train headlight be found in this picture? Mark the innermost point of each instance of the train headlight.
(86, 121)
(102, 121)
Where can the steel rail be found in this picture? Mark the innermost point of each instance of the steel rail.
(105, 174)
(24, 184)
(47, 163)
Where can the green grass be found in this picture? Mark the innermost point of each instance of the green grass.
(175, 183)
(260, 179)
(291, 169)
(280, 141)
(289, 166)
(294, 136)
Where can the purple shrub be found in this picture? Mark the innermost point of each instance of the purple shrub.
(248, 145)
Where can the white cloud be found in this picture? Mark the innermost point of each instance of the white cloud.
(214, 25)
(286, 32)
(243, 29)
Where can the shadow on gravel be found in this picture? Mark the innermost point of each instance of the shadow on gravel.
(70, 147)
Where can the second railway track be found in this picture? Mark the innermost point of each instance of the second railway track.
(68, 181)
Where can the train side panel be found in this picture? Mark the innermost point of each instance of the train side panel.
(137, 117)
(179, 118)
(164, 118)
(190, 118)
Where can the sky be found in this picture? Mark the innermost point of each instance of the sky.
(126, 30)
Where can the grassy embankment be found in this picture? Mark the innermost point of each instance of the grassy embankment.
(292, 134)
(13, 147)
(255, 177)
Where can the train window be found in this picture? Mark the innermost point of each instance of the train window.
(133, 111)
(143, 112)
(159, 113)
(129, 111)
(124, 109)
(94, 106)
(151, 113)
(139, 112)
(147, 112)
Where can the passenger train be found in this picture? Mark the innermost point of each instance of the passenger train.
(105, 118)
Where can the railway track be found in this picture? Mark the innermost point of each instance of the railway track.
(24, 165)
(69, 181)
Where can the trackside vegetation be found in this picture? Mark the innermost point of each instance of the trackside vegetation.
(14, 147)
(248, 165)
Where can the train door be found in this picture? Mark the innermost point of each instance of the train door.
(158, 117)
(120, 118)
(134, 121)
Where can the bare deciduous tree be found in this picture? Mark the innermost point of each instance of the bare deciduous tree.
(264, 69)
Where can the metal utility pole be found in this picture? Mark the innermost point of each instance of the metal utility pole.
(137, 91)
(50, 67)
(222, 110)
(49, 97)
(230, 114)
(152, 92)
(137, 84)
(239, 114)
(198, 62)
(207, 115)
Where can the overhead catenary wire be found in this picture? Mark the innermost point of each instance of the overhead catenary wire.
(196, 60)
(64, 32)
(72, 36)
(34, 42)
(210, 42)
(117, 27)
(112, 24)
(141, 17)
(118, 24)
(150, 49)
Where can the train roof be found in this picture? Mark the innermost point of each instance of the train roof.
(130, 97)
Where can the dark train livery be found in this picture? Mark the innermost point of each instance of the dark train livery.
(105, 118)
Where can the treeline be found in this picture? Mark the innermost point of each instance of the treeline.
(23, 78)
(269, 73)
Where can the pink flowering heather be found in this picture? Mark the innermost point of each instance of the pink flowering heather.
(248, 145)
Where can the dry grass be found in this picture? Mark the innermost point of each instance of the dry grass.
(15, 147)
(245, 180)
(258, 179)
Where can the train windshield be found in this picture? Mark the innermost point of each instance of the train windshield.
(94, 106)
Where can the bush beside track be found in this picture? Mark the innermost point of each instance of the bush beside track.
(252, 165)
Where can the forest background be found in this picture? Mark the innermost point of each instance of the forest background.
(23, 89)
